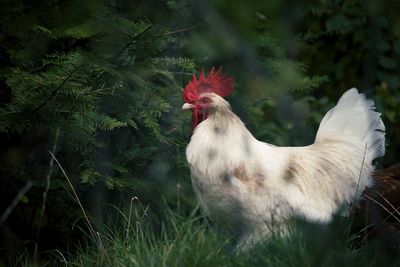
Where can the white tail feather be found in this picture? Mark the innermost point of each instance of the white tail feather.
(355, 116)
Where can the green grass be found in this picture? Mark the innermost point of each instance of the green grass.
(192, 240)
(181, 241)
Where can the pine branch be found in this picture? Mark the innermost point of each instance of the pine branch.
(134, 38)
(55, 91)
(15, 201)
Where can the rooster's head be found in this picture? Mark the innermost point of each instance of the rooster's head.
(205, 94)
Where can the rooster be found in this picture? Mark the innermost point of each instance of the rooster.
(248, 185)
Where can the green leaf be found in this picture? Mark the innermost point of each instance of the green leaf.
(392, 80)
(387, 62)
(24, 199)
(337, 23)
(260, 15)
(40, 28)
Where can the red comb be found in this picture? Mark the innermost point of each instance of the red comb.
(213, 83)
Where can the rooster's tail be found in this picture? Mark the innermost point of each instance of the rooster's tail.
(354, 119)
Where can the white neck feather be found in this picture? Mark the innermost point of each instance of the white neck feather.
(219, 143)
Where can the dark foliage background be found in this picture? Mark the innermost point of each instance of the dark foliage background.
(98, 83)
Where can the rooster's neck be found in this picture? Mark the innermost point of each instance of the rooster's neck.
(219, 143)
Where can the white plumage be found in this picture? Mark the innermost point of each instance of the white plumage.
(248, 185)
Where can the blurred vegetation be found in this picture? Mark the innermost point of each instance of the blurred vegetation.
(99, 84)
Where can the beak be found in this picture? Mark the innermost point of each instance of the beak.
(187, 106)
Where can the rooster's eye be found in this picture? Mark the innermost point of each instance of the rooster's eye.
(205, 100)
